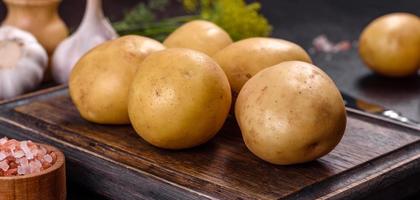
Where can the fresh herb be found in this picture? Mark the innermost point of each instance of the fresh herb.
(239, 19)
(142, 20)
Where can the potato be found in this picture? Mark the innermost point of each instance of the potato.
(100, 81)
(243, 59)
(390, 45)
(290, 113)
(199, 35)
(179, 98)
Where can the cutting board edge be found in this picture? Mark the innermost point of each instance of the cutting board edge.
(12, 131)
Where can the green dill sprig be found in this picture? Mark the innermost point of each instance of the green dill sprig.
(239, 19)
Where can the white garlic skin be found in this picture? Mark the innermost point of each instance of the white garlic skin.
(94, 30)
(30, 65)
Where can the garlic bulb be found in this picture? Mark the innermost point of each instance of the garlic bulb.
(94, 29)
(22, 62)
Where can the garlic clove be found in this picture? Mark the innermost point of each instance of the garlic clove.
(94, 30)
(22, 62)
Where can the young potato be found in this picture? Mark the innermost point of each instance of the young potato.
(390, 45)
(100, 80)
(290, 113)
(243, 59)
(179, 99)
(199, 35)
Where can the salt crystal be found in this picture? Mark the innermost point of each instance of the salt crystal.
(323, 44)
(48, 158)
(4, 166)
(34, 166)
(45, 165)
(42, 151)
(18, 154)
(25, 157)
(38, 163)
(11, 142)
(342, 46)
(3, 141)
(31, 144)
(11, 147)
(54, 157)
(21, 170)
(34, 151)
(23, 161)
(25, 148)
(2, 156)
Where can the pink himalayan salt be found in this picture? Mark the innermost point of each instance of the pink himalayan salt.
(323, 44)
(25, 157)
(2, 156)
(4, 165)
(48, 158)
(3, 140)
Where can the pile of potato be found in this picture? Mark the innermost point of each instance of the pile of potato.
(178, 94)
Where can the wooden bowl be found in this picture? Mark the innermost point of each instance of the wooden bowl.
(49, 184)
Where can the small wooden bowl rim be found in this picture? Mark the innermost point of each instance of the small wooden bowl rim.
(57, 165)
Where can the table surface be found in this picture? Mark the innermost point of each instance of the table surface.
(300, 21)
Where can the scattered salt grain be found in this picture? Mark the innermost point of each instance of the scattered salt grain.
(322, 44)
(25, 157)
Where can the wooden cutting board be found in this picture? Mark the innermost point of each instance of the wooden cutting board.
(115, 162)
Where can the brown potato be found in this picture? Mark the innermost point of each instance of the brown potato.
(290, 113)
(179, 99)
(390, 45)
(100, 81)
(199, 35)
(243, 59)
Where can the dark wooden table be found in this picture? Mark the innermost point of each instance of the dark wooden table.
(300, 21)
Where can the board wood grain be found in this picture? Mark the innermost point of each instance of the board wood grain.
(115, 162)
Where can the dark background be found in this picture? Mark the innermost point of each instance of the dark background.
(300, 21)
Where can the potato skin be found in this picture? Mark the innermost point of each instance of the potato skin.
(290, 113)
(179, 99)
(390, 45)
(100, 81)
(199, 35)
(243, 59)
